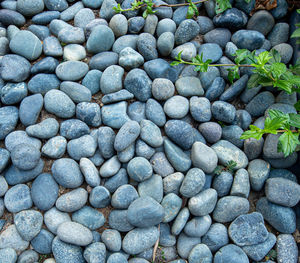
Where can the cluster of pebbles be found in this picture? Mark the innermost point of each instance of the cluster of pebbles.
(109, 154)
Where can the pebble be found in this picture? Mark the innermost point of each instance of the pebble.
(17, 198)
(232, 133)
(112, 240)
(46, 129)
(44, 191)
(176, 107)
(222, 183)
(110, 167)
(230, 207)
(71, 70)
(171, 204)
(155, 113)
(235, 89)
(165, 43)
(28, 223)
(286, 249)
(11, 17)
(130, 59)
(185, 244)
(64, 252)
(262, 21)
(223, 111)
(186, 31)
(95, 251)
(28, 255)
(258, 173)
(218, 36)
(124, 196)
(53, 218)
(279, 34)
(3, 186)
(44, 18)
(146, 45)
(258, 105)
(8, 255)
(283, 219)
(232, 18)
(231, 253)
(162, 89)
(99, 197)
(42, 83)
(72, 201)
(280, 10)
(172, 182)
(74, 52)
(216, 237)
(211, 131)
(140, 239)
(84, 146)
(248, 39)
(45, 65)
(198, 226)
(73, 128)
(192, 183)
(10, 238)
(55, 147)
(150, 133)
(89, 217)
(139, 169)
(200, 252)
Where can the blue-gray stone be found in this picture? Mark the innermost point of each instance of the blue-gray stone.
(142, 149)
(64, 252)
(42, 243)
(135, 24)
(110, 167)
(171, 204)
(188, 51)
(124, 196)
(136, 111)
(232, 18)
(283, 173)
(115, 115)
(261, 21)
(44, 18)
(216, 237)
(150, 133)
(117, 96)
(218, 36)
(176, 107)
(8, 255)
(180, 221)
(230, 207)
(101, 39)
(71, 70)
(155, 113)
(92, 80)
(106, 10)
(162, 89)
(119, 25)
(42, 83)
(241, 184)
(179, 160)
(45, 65)
(161, 164)
(112, 240)
(66, 173)
(125, 41)
(248, 230)
(72, 201)
(55, 147)
(89, 112)
(106, 138)
(140, 239)
(44, 191)
(71, 35)
(4, 46)
(84, 146)
(56, 5)
(283, 219)
(194, 88)
(200, 252)
(14, 68)
(210, 51)
(69, 13)
(248, 39)
(259, 251)
(13, 93)
(95, 252)
(53, 218)
(117, 180)
(111, 79)
(258, 173)
(74, 52)
(10, 238)
(99, 197)
(83, 17)
(198, 226)
(26, 44)
(286, 248)
(73, 128)
(103, 60)
(14, 176)
(25, 156)
(138, 83)
(203, 203)
(200, 109)
(28, 255)
(165, 25)
(77, 92)
(18, 198)
(222, 183)
(235, 89)
(57, 25)
(152, 187)
(280, 10)
(52, 47)
(232, 133)
(139, 169)
(211, 131)
(207, 78)
(192, 183)
(42, 32)
(126, 135)
(46, 129)
(162, 12)
(90, 172)
(165, 43)
(97, 158)
(11, 17)
(180, 14)
(8, 120)
(205, 23)
(231, 253)
(146, 45)
(17, 137)
(4, 159)
(127, 4)
(185, 244)
(243, 119)
(285, 51)
(282, 191)
(186, 31)
(129, 58)
(28, 223)
(74, 233)
(92, 3)
(58, 103)
(1, 207)
(223, 111)
(11, 5)
(258, 105)
(127, 154)
(118, 220)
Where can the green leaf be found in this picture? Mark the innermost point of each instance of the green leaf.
(296, 33)
(285, 85)
(288, 142)
(277, 69)
(296, 68)
(275, 56)
(262, 58)
(178, 57)
(254, 132)
(222, 5)
(297, 105)
(233, 73)
(190, 12)
(298, 11)
(174, 63)
(294, 120)
(117, 8)
(247, 1)
(145, 14)
(241, 55)
(253, 81)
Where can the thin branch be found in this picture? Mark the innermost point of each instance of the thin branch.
(155, 246)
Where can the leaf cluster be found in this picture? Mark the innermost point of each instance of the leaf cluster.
(279, 122)
(296, 33)
(192, 10)
(228, 168)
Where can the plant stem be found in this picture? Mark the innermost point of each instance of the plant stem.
(294, 131)
(215, 65)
